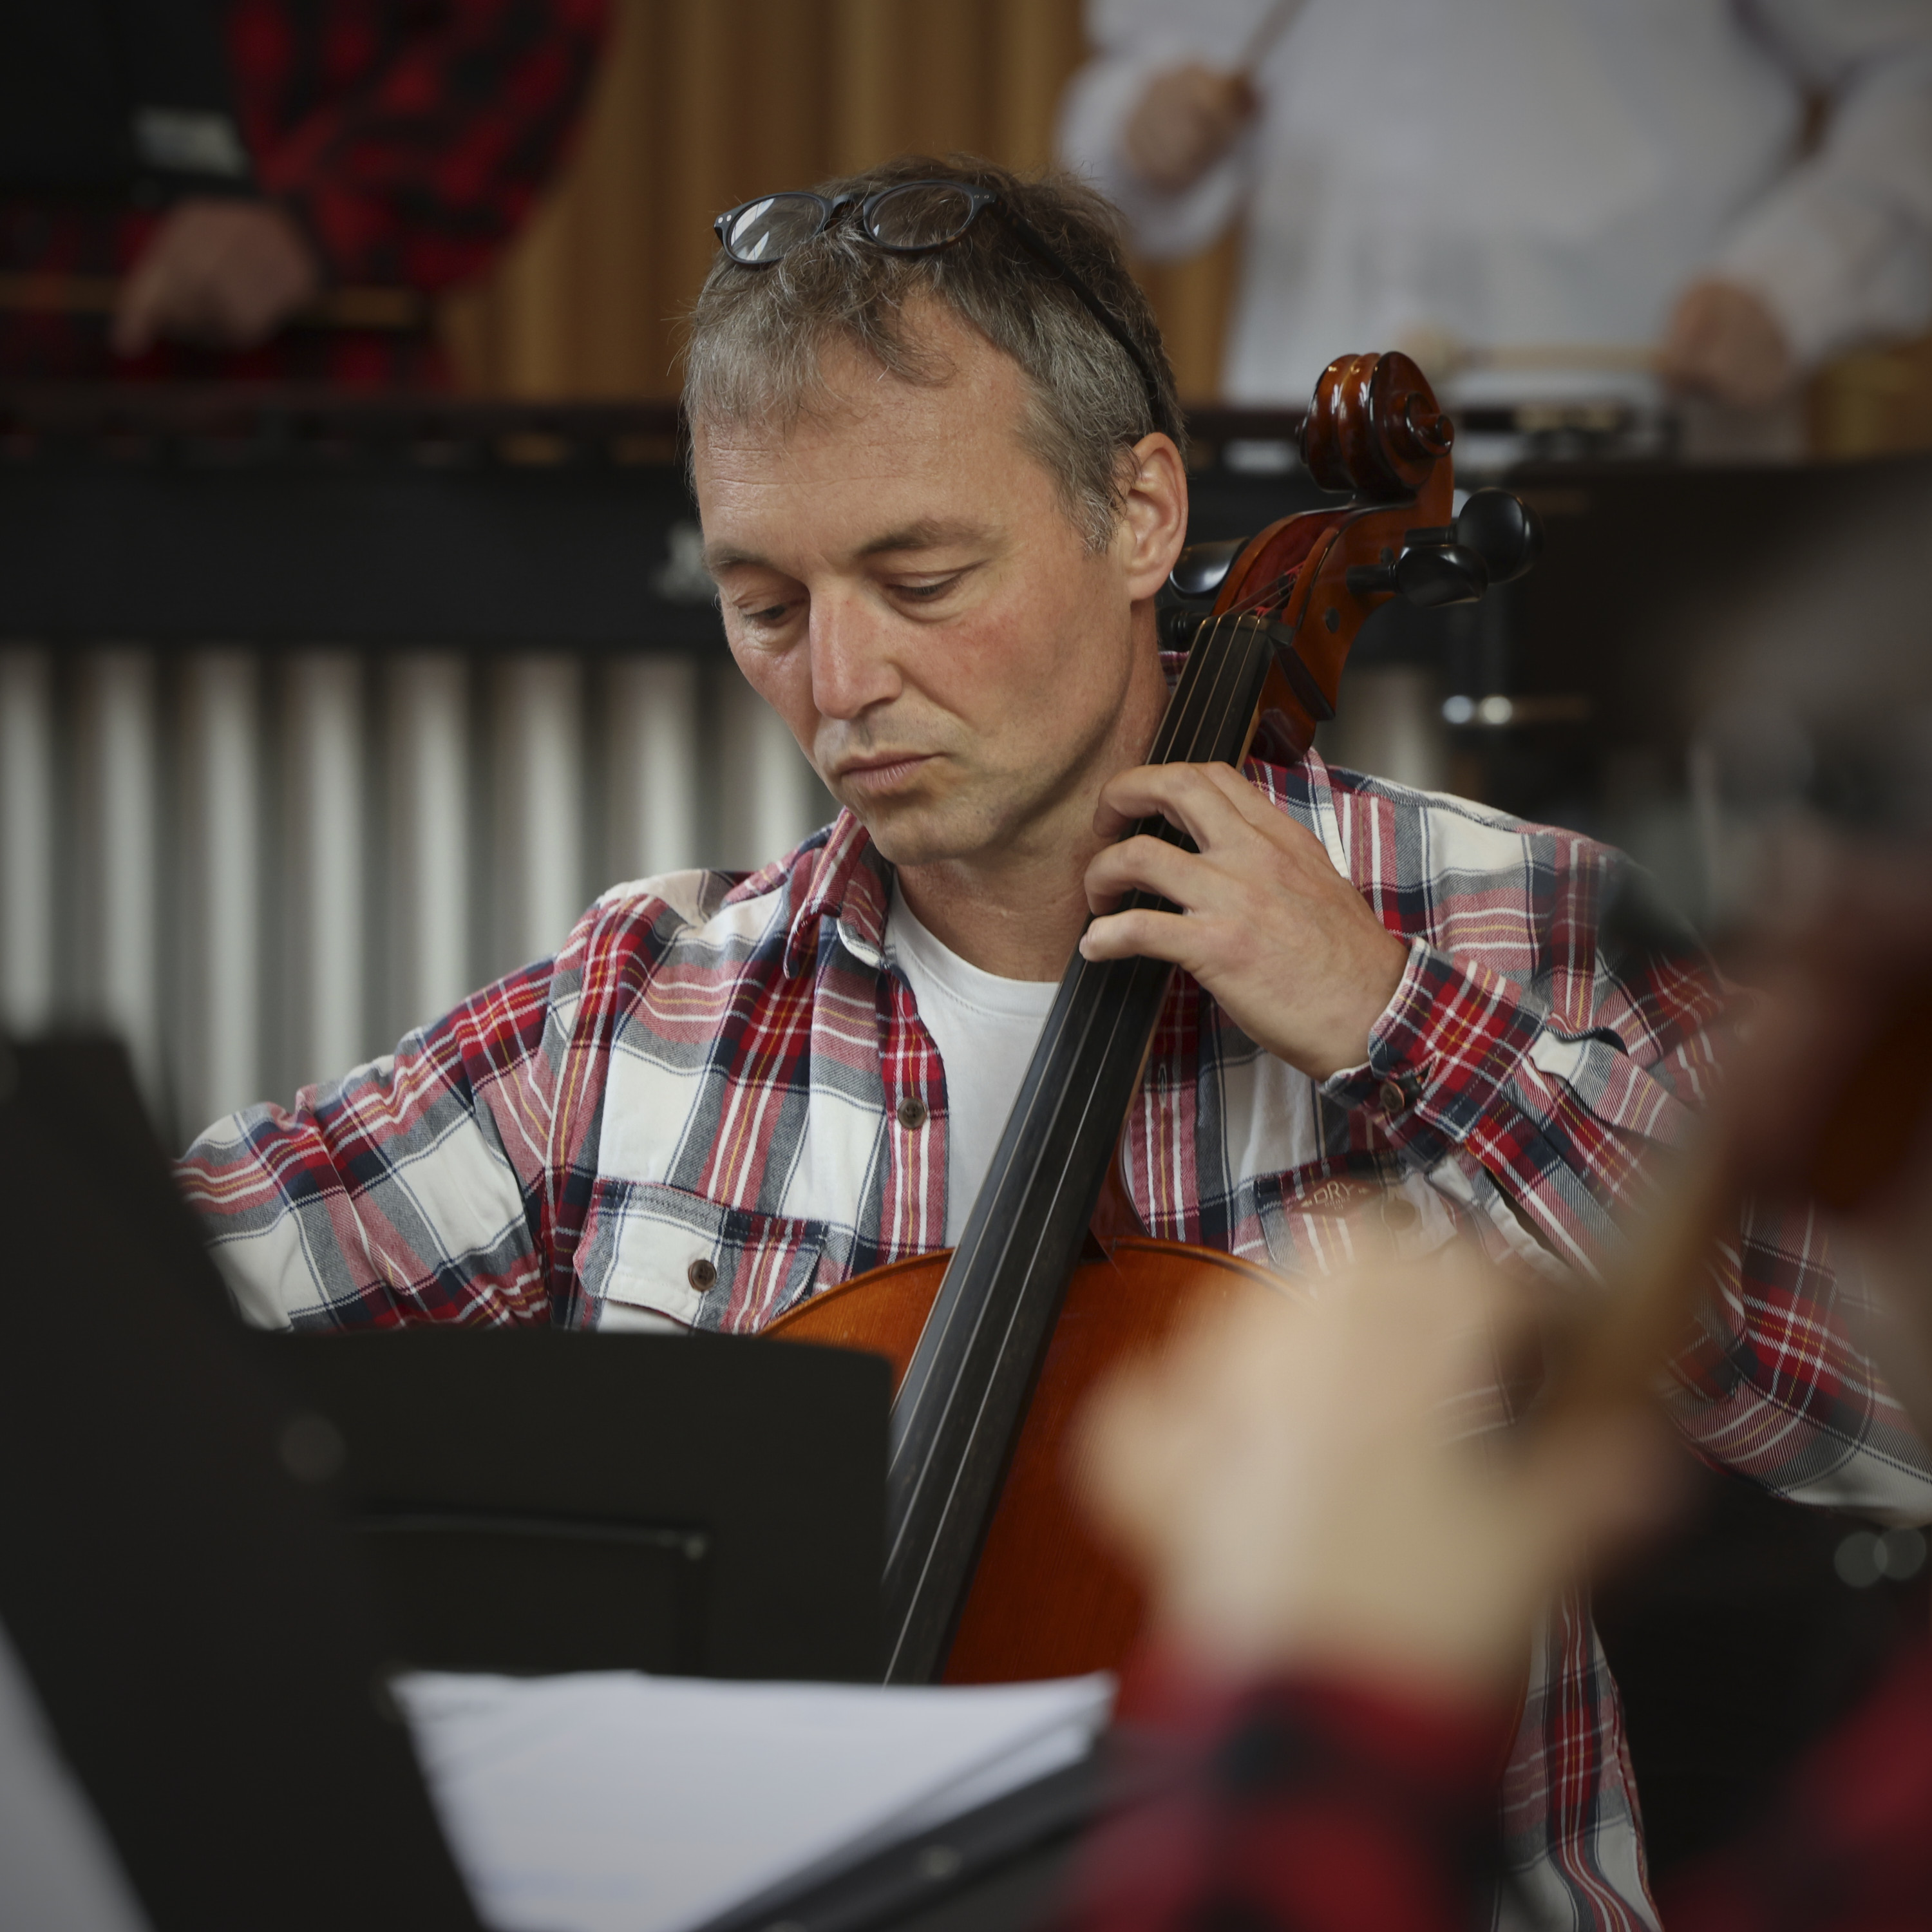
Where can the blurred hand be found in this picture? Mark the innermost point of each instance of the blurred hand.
(1186, 121)
(223, 273)
(1724, 342)
(1289, 1477)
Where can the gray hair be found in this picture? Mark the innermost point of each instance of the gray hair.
(756, 335)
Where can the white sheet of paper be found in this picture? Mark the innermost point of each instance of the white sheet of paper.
(611, 1802)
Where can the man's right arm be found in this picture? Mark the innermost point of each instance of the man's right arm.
(410, 1190)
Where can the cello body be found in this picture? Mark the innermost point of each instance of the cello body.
(1048, 1599)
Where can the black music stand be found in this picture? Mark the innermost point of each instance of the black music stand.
(207, 1659)
(998, 1868)
(177, 1581)
(536, 1502)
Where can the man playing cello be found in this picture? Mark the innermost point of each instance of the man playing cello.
(938, 461)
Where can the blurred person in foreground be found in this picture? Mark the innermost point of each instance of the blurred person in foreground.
(1729, 190)
(1346, 1568)
(383, 145)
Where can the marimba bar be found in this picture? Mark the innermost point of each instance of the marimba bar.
(262, 867)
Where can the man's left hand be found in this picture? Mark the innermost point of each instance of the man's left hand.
(226, 274)
(1284, 943)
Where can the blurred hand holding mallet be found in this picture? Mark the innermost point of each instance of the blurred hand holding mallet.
(1190, 116)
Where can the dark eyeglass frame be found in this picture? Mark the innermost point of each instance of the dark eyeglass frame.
(979, 199)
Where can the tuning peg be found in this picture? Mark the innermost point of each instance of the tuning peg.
(1176, 628)
(1455, 574)
(1429, 575)
(1503, 530)
(1200, 569)
(1500, 527)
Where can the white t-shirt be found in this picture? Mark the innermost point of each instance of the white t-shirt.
(985, 1029)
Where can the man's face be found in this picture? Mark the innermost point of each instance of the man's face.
(900, 580)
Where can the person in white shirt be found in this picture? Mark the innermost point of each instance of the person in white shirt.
(1709, 195)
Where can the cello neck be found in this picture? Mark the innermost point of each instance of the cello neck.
(966, 1391)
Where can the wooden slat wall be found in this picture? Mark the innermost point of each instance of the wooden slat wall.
(703, 103)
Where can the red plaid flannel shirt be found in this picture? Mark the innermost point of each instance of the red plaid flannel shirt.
(409, 138)
(1325, 1804)
(692, 1116)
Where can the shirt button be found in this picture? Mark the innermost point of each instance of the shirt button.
(1393, 1098)
(1398, 1216)
(702, 1275)
(912, 1114)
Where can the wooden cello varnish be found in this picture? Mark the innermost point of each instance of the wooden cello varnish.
(990, 1573)
(1047, 1599)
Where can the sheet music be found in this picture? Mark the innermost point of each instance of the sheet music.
(59, 1869)
(611, 1801)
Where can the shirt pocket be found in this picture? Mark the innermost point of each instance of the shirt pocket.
(1310, 1217)
(651, 1254)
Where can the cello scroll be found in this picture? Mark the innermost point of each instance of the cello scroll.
(1375, 429)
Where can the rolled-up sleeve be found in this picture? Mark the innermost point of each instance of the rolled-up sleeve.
(412, 1189)
(1546, 1111)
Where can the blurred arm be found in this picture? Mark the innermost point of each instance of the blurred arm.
(417, 176)
(1140, 45)
(414, 177)
(1840, 250)
(1343, 1582)
(1335, 1762)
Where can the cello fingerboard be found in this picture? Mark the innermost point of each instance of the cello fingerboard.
(966, 1391)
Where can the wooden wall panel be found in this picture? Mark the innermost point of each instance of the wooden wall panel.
(701, 103)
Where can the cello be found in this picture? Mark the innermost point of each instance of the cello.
(991, 1573)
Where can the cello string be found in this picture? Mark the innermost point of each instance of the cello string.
(1200, 706)
(1201, 710)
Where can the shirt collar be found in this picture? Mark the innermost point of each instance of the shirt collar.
(848, 881)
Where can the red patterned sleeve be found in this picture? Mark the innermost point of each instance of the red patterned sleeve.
(1848, 1846)
(415, 173)
(414, 1188)
(1326, 1804)
(1323, 1804)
